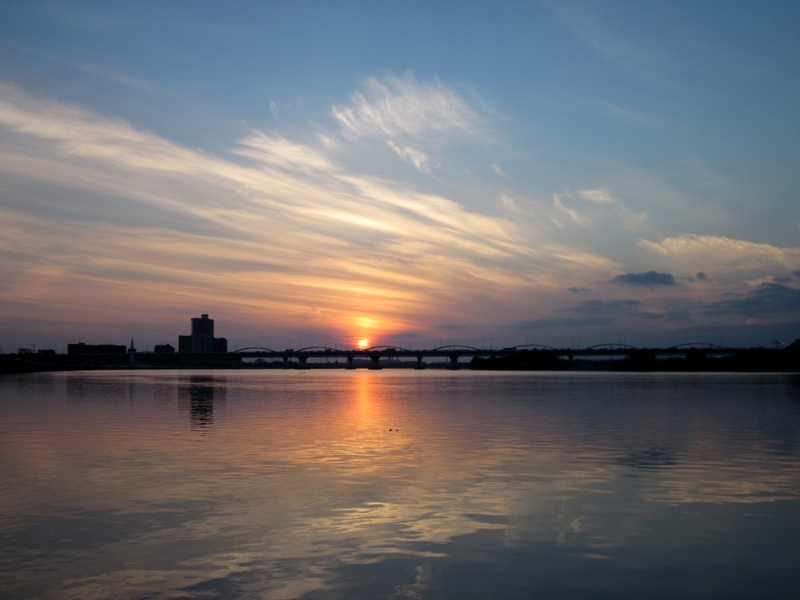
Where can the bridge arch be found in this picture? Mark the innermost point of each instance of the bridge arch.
(532, 347)
(612, 347)
(255, 349)
(455, 348)
(699, 345)
(386, 348)
(317, 349)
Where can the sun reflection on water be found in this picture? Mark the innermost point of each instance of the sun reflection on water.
(301, 477)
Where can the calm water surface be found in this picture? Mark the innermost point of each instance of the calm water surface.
(399, 484)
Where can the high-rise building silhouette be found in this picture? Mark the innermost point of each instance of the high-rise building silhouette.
(202, 340)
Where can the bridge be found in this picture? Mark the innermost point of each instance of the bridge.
(452, 353)
(525, 356)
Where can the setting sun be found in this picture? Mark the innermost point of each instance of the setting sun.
(363, 343)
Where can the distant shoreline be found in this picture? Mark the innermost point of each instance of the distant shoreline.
(689, 360)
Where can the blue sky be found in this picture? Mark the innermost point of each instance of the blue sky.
(400, 172)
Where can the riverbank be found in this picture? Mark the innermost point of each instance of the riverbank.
(633, 360)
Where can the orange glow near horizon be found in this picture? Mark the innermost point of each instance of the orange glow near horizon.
(368, 323)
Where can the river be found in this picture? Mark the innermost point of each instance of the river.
(399, 484)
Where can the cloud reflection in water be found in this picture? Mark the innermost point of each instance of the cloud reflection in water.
(298, 488)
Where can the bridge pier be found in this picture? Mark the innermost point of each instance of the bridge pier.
(453, 366)
(350, 364)
(285, 362)
(420, 366)
(375, 363)
(303, 364)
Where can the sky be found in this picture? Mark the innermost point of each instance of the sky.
(410, 174)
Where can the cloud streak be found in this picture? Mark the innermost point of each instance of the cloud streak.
(128, 217)
(403, 107)
(625, 49)
(103, 222)
(416, 157)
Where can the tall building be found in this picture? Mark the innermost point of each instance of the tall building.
(202, 340)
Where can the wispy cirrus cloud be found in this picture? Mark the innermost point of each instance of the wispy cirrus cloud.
(98, 217)
(404, 107)
(622, 48)
(134, 216)
(87, 67)
(496, 168)
(277, 151)
(599, 196)
(416, 157)
(578, 217)
(598, 207)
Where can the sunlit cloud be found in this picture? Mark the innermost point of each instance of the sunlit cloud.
(572, 213)
(496, 168)
(402, 106)
(416, 157)
(597, 209)
(135, 216)
(508, 203)
(600, 196)
(277, 151)
(98, 215)
(724, 257)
